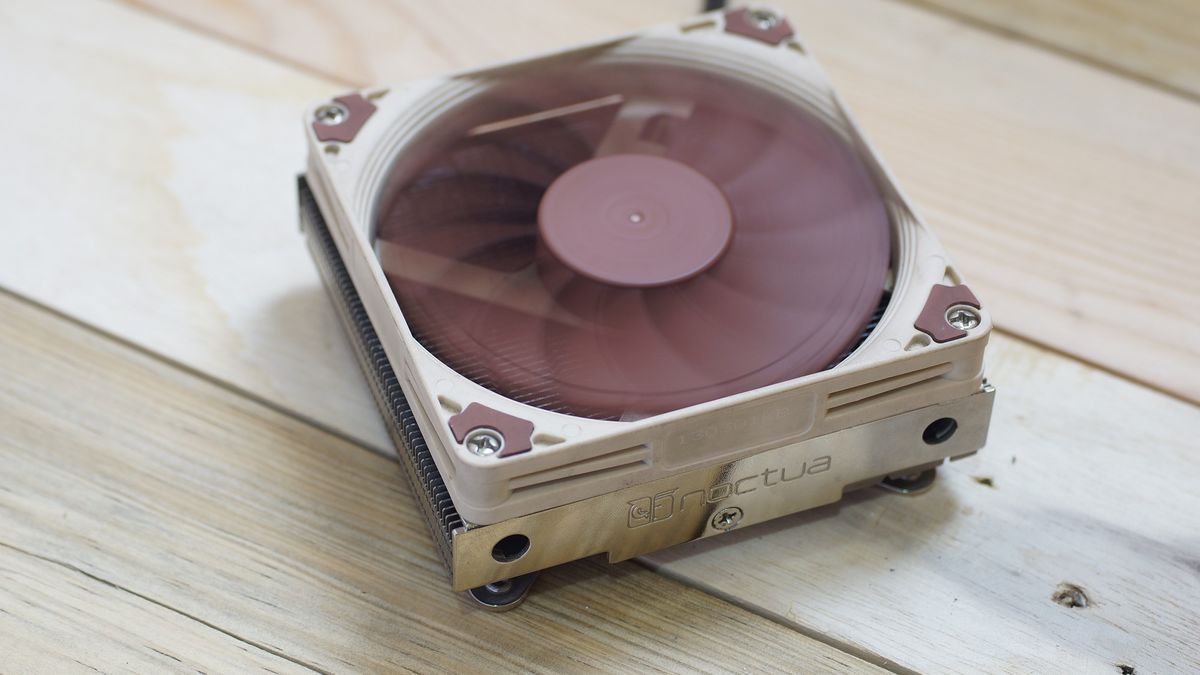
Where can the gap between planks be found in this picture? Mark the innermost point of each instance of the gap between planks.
(181, 21)
(694, 582)
(861, 653)
(175, 565)
(1023, 463)
(809, 632)
(982, 22)
(145, 598)
(227, 385)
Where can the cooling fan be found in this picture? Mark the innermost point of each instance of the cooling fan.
(636, 293)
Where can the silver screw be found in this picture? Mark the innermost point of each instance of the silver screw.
(484, 442)
(502, 586)
(765, 19)
(331, 114)
(727, 519)
(962, 318)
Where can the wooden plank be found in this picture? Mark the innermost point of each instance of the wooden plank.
(1086, 480)
(55, 619)
(155, 199)
(1065, 192)
(166, 513)
(1107, 458)
(1158, 41)
(388, 40)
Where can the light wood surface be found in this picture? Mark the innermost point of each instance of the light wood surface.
(1156, 41)
(58, 619)
(162, 522)
(1065, 192)
(156, 182)
(221, 501)
(388, 40)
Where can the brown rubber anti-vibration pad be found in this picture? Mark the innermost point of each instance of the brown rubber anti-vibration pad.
(770, 28)
(517, 433)
(358, 111)
(932, 319)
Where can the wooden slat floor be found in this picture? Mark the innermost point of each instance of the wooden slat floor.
(194, 477)
(154, 519)
(1156, 42)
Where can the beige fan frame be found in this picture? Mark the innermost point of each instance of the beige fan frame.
(896, 369)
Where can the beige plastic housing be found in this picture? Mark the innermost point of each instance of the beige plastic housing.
(896, 369)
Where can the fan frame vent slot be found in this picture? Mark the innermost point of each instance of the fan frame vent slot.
(839, 401)
(626, 460)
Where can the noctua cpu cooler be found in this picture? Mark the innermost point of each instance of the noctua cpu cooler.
(636, 293)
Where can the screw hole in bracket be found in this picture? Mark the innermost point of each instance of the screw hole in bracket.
(939, 430)
(511, 548)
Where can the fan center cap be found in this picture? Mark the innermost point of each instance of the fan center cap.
(635, 220)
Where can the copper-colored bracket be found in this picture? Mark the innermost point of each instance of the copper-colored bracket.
(517, 433)
(742, 22)
(358, 111)
(932, 319)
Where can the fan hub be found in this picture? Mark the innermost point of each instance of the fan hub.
(635, 220)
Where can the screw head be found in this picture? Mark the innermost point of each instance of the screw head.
(484, 442)
(764, 19)
(963, 318)
(727, 519)
(331, 114)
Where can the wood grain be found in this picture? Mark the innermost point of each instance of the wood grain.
(188, 527)
(57, 619)
(388, 40)
(1065, 192)
(1158, 41)
(153, 200)
(154, 178)
(1086, 480)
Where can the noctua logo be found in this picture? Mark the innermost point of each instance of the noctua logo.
(663, 505)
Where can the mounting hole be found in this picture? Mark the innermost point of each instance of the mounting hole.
(940, 430)
(511, 548)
